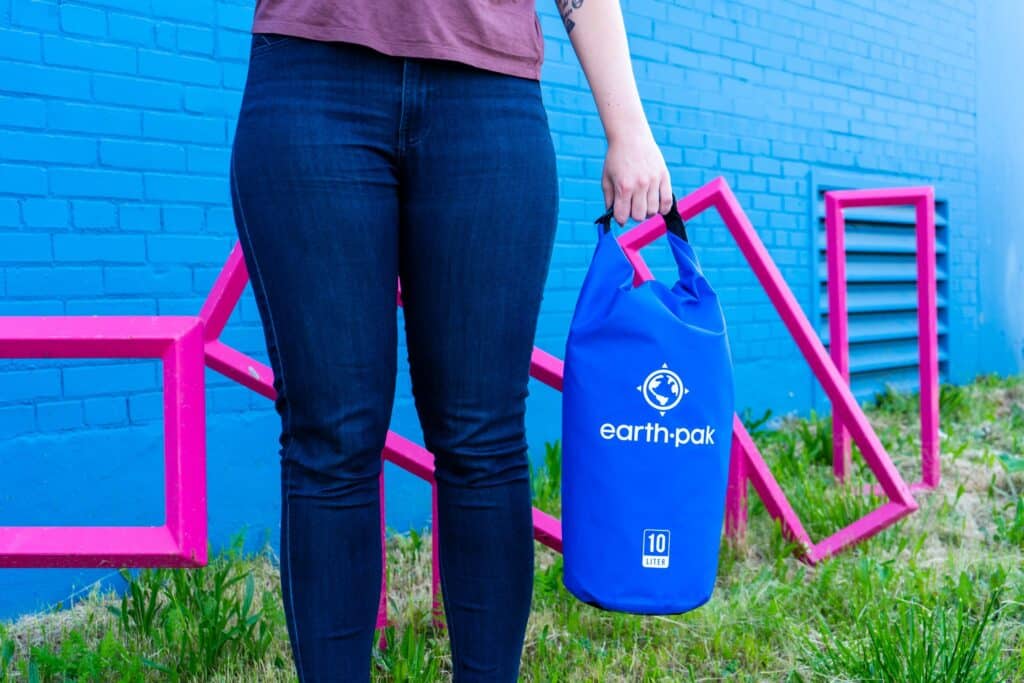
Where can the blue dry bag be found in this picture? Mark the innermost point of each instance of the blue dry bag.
(647, 410)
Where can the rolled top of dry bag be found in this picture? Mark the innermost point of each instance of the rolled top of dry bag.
(647, 408)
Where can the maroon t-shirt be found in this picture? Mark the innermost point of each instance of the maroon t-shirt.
(498, 35)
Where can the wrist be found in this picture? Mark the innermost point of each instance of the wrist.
(629, 133)
(624, 125)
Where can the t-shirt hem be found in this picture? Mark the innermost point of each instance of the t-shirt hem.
(418, 49)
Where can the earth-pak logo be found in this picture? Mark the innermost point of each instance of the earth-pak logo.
(663, 390)
(655, 433)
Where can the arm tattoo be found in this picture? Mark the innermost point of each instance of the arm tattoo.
(565, 8)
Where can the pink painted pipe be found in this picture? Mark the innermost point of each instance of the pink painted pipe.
(923, 201)
(839, 349)
(435, 561)
(178, 341)
(181, 542)
(736, 489)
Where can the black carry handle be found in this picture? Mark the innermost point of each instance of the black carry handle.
(673, 221)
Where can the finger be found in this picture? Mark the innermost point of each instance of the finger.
(666, 192)
(653, 199)
(640, 202)
(623, 195)
(607, 189)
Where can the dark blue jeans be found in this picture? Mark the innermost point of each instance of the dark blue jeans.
(350, 169)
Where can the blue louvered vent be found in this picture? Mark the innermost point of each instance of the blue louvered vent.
(881, 277)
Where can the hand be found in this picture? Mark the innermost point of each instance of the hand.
(636, 178)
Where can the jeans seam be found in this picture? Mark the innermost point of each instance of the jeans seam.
(257, 279)
(267, 45)
(445, 600)
(401, 112)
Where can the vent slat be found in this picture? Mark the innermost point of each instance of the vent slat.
(873, 359)
(887, 215)
(873, 331)
(880, 300)
(873, 239)
(880, 271)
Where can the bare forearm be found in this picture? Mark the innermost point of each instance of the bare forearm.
(598, 36)
(635, 180)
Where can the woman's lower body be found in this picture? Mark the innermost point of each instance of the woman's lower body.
(350, 169)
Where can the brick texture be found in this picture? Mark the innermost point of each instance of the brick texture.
(116, 118)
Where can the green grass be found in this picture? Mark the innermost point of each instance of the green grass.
(939, 597)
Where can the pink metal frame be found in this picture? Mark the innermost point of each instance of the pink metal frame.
(178, 342)
(183, 342)
(923, 201)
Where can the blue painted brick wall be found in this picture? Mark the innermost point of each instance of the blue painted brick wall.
(116, 118)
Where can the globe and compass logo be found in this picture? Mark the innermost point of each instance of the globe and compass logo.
(663, 389)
